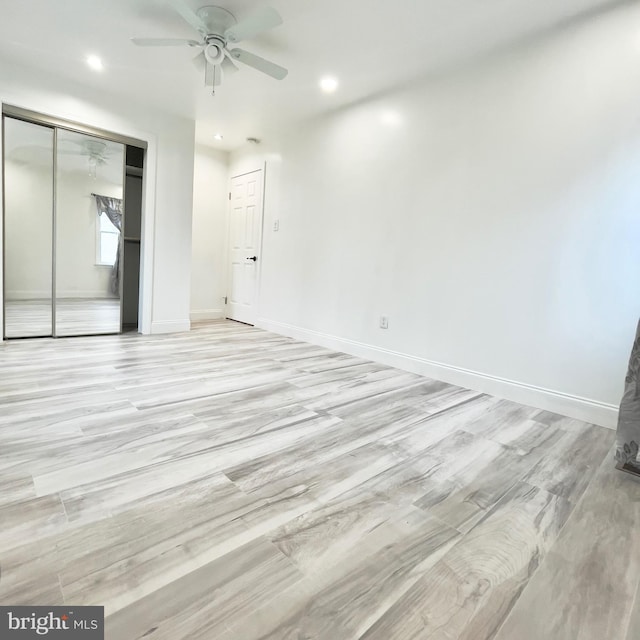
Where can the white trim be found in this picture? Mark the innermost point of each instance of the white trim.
(171, 326)
(46, 295)
(591, 411)
(201, 315)
(263, 198)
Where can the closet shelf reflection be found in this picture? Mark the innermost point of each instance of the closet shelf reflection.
(134, 171)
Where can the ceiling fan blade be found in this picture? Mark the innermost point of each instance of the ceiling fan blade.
(228, 66)
(257, 22)
(252, 60)
(200, 62)
(164, 42)
(189, 16)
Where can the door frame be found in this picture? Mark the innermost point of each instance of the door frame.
(262, 169)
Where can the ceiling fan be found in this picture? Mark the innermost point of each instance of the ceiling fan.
(218, 28)
(96, 151)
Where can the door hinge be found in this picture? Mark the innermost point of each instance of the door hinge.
(225, 300)
(229, 195)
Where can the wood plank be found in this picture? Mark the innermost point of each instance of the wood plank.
(585, 588)
(342, 600)
(204, 602)
(470, 591)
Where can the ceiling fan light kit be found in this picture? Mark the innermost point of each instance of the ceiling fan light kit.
(218, 28)
(214, 53)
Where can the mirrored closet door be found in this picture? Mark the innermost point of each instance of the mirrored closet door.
(63, 223)
(89, 185)
(28, 229)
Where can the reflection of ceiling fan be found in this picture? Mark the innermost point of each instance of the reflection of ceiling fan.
(217, 29)
(96, 151)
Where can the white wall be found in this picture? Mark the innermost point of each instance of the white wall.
(208, 267)
(77, 274)
(168, 198)
(28, 221)
(493, 214)
(28, 228)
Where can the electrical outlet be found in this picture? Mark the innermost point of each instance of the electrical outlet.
(384, 322)
(276, 225)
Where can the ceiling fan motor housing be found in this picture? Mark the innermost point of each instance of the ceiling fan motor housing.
(216, 19)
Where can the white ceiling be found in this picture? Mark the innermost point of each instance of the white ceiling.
(370, 45)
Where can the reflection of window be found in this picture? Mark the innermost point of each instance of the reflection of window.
(107, 241)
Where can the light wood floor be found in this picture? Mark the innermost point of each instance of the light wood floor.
(74, 316)
(231, 484)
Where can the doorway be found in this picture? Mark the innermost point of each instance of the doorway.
(245, 242)
(65, 197)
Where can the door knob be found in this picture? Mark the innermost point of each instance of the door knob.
(254, 258)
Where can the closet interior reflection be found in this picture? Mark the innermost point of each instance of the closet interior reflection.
(64, 217)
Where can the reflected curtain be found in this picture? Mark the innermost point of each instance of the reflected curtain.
(112, 208)
(628, 435)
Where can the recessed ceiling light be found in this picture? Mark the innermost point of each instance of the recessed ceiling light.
(329, 84)
(218, 136)
(95, 63)
(391, 118)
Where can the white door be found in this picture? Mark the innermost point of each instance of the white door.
(245, 228)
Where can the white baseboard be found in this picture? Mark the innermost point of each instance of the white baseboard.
(44, 295)
(27, 295)
(591, 411)
(207, 314)
(170, 326)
